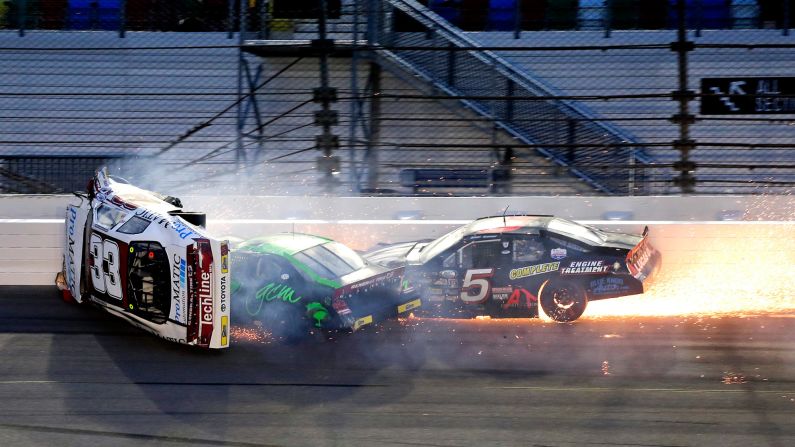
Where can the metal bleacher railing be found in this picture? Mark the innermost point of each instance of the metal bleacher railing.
(560, 129)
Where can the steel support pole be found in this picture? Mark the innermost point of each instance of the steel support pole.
(354, 106)
(22, 10)
(685, 180)
(230, 25)
(122, 18)
(241, 118)
(375, 125)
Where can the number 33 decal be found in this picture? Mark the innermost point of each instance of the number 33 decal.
(476, 286)
(105, 280)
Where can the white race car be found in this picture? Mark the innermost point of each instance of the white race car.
(137, 255)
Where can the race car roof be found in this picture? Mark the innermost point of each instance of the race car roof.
(506, 223)
(283, 243)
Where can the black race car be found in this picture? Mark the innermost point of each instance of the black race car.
(505, 266)
(294, 282)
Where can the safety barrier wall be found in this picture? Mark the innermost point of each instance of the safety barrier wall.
(692, 232)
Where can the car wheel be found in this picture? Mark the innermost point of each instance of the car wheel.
(285, 321)
(563, 301)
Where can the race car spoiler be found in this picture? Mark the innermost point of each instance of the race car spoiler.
(642, 258)
(365, 297)
(208, 292)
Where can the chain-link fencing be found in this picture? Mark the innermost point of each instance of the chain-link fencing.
(400, 96)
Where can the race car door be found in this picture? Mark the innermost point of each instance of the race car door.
(529, 265)
(480, 262)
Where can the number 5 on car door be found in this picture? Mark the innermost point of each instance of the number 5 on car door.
(477, 286)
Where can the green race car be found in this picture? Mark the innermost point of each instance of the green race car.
(293, 282)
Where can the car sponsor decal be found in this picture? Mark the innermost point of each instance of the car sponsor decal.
(608, 285)
(71, 224)
(118, 201)
(224, 330)
(224, 293)
(272, 291)
(107, 268)
(392, 278)
(362, 321)
(158, 219)
(532, 270)
(501, 293)
(638, 257)
(168, 222)
(476, 286)
(558, 253)
(340, 306)
(585, 268)
(403, 308)
(205, 287)
(182, 230)
(179, 289)
(518, 296)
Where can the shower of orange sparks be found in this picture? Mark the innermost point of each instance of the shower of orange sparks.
(716, 269)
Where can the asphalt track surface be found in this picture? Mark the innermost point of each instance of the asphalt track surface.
(75, 376)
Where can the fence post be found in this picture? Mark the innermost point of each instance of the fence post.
(122, 18)
(517, 19)
(608, 17)
(571, 140)
(451, 66)
(631, 180)
(21, 16)
(699, 16)
(510, 87)
(264, 23)
(374, 125)
(685, 180)
(230, 25)
(786, 18)
(241, 119)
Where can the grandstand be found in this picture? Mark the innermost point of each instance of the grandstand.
(570, 97)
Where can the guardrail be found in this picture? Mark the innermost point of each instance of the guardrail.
(685, 229)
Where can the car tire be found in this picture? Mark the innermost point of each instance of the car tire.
(285, 321)
(562, 301)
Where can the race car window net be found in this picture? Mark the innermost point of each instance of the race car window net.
(148, 286)
(481, 254)
(108, 217)
(529, 249)
(574, 229)
(135, 225)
